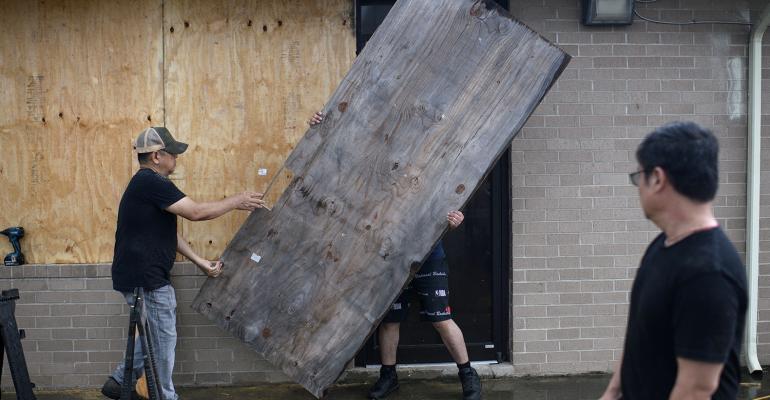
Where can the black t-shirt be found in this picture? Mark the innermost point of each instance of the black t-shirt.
(145, 239)
(688, 300)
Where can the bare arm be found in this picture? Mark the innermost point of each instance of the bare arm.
(613, 391)
(695, 380)
(211, 269)
(194, 211)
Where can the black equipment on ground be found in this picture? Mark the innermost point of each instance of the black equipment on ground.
(11, 336)
(139, 327)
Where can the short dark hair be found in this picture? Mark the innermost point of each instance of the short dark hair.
(144, 157)
(689, 155)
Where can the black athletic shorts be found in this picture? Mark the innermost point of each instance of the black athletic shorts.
(431, 286)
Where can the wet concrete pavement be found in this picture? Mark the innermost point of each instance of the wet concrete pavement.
(552, 388)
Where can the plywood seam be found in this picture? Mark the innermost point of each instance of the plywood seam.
(163, 54)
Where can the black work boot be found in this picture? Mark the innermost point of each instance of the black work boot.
(471, 383)
(387, 384)
(112, 390)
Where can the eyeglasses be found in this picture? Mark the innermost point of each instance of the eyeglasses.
(634, 177)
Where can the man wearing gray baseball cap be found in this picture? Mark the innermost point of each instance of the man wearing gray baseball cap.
(146, 243)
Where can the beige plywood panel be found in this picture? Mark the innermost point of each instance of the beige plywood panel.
(242, 78)
(79, 79)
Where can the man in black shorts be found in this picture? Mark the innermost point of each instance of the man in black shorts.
(431, 286)
(688, 301)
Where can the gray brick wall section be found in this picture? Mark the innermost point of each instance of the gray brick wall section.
(76, 329)
(578, 232)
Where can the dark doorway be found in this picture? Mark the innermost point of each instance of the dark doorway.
(478, 254)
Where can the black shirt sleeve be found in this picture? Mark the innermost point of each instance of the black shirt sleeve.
(704, 318)
(162, 192)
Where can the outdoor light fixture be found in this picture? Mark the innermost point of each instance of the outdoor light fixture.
(608, 12)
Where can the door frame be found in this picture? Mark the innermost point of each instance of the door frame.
(501, 181)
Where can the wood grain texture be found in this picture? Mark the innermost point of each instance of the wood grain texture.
(242, 78)
(428, 106)
(79, 80)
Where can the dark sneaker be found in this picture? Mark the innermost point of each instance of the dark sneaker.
(112, 390)
(471, 384)
(387, 384)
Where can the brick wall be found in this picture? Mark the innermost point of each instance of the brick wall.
(578, 230)
(76, 328)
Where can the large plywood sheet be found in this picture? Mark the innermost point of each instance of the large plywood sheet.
(429, 105)
(79, 79)
(242, 77)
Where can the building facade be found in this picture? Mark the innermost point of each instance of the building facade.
(577, 229)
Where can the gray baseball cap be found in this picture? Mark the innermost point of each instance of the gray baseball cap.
(158, 138)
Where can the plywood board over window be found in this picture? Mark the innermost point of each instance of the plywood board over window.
(429, 105)
(242, 78)
(79, 79)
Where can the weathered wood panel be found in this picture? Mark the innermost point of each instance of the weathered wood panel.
(242, 77)
(79, 79)
(431, 102)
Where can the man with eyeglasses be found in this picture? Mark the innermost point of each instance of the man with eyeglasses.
(146, 243)
(688, 301)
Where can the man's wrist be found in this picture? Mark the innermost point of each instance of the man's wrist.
(232, 202)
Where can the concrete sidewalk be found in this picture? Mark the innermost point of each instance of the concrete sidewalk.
(551, 388)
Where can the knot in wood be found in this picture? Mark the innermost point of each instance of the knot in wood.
(305, 191)
(477, 8)
(325, 205)
(331, 253)
(414, 182)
